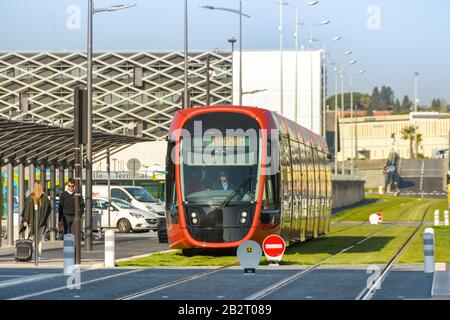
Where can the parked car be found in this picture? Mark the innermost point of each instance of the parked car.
(137, 196)
(125, 216)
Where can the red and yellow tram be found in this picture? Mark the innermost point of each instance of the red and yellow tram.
(240, 173)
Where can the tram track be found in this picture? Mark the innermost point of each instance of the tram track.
(363, 295)
(370, 290)
(174, 283)
(267, 291)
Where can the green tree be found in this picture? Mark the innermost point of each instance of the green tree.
(397, 106)
(358, 100)
(434, 104)
(406, 104)
(375, 99)
(408, 134)
(439, 105)
(386, 100)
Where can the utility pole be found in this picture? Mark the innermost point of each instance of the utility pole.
(281, 59)
(186, 59)
(89, 119)
(88, 216)
(79, 136)
(336, 124)
(108, 169)
(416, 146)
(240, 52)
(208, 84)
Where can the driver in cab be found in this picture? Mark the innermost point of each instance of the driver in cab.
(223, 183)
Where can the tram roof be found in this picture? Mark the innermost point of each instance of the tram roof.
(287, 127)
(30, 142)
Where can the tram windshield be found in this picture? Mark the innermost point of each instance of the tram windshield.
(219, 159)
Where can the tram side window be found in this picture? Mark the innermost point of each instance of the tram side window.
(170, 178)
(270, 196)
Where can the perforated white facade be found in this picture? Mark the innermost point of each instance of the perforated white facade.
(46, 80)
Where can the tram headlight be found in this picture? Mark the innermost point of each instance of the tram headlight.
(244, 214)
(194, 220)
(243, 220)
(193, 214)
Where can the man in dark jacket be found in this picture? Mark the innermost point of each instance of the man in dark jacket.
(223, 183)
(67, 206)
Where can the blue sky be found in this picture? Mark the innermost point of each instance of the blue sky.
(413, 35)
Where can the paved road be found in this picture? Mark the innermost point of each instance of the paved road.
(331, 282)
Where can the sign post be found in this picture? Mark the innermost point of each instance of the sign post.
(249, 254)
(134, 165)
(274, 248)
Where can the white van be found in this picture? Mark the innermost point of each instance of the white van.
(137, 196)
(124, 215)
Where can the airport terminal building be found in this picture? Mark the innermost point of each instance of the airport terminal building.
(139, 92)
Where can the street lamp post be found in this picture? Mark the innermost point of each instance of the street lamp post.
(280, 29)
(343, 105)
(186, 58)
(296, 37)
(336, 111)
(241, 14)
(416, 80)
(324, 85)
(336, 69)
(91, 12)
(353, 138)
(232, 41)
(311, 40)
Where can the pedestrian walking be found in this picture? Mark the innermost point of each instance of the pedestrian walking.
(35, 215)
(67, 207)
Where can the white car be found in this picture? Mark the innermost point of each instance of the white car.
(125, 216)
(136, 195)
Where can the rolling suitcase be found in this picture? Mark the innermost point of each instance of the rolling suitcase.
(24, 250)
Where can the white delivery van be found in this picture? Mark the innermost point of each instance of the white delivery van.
(124, 215)
(137, 196)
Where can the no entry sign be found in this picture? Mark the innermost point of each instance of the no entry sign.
(376, 218)
(274, 247)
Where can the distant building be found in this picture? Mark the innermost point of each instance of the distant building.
(377, 136)
(133, 92)
(261, 84)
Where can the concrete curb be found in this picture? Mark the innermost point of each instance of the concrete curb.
(47, 245)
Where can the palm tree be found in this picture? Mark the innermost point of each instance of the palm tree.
(408, 134)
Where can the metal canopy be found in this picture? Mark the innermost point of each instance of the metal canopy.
(27, 142)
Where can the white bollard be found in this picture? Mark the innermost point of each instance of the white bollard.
(436, 217)
(110, 249)
(69, 254)
(380, 190)
(428, 250)
(446, 218)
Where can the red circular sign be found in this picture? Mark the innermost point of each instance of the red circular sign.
(380, 216)
(274, 246)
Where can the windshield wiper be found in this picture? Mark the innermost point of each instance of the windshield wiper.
(235, 191)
